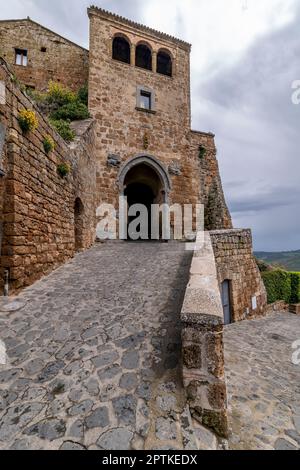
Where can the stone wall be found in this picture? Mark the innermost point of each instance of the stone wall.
(38, 209)
(63, 61)
(278, 306)
(236, 263)
(295, 308)
(217, 215)
(202, 338)
(125, 132)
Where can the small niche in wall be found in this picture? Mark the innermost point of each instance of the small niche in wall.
(43, 49)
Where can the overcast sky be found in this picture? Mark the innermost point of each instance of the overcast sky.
(245, 56)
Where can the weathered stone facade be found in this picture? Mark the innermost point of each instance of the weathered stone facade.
(38, 207)
(163, 134)
(139, 137)
(49, 56)
(236, 263)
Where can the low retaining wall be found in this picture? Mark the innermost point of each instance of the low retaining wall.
(279, 306)
(295, 308)
(202, 336)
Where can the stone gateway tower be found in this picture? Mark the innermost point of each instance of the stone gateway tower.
(138, 143)
(139, 95)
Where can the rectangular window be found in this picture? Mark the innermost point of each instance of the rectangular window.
(145, 100)
(21, 57)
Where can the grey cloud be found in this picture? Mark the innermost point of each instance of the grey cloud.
(68, 17)
(277, 198)
(249, 108)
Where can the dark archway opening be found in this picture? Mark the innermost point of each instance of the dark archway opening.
(121, 50)
(79, 224)
(143, 186)
(143, 57)
(138, 193)
(164, 64)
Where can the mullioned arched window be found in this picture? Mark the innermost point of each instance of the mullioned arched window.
(121, 49)
(143, 57)
(164, 63)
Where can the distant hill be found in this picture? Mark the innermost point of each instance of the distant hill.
(289, 260)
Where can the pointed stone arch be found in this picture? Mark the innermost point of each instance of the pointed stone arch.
(154, 164)
(144, 180)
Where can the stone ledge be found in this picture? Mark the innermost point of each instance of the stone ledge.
(278, 306)
(295, 308)
(202, 340)
(199, 302)
(232, 231)
(143, 110)
(192, 319)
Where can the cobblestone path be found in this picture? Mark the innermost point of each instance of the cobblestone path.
(263, 383)
(94, 351)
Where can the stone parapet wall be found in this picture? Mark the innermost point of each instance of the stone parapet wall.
(202, 337)
(279, 306)
(236, 263)
(38, 208)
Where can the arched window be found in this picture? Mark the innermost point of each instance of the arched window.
(143, 57)
(164, 63)
(121, 49)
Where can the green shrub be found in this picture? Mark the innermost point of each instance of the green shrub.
(83, 95)
(62, 106)
(74, 111)
(202, 152)
(59, 95)
(63, 170)
(295, 288)
(14, 79)
(48, 144)
(64, 129)
(27, 120)
(278, 285)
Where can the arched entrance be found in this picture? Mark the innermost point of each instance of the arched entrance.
(78, 224)
(143, 180)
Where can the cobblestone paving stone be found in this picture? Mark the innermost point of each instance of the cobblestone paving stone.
(263, 383)
(93, 354)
